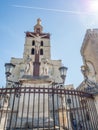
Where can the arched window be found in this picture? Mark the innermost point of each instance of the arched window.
(41, 43)
(41, 51)
(33, 51)
(87, 116)
(33, 43)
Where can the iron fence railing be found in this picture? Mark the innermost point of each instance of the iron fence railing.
(41, 108)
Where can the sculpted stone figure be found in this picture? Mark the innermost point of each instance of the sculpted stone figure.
(45, 68)
(29, 66)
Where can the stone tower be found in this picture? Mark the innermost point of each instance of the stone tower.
(36, 66)
(89, 52)
(36, 70)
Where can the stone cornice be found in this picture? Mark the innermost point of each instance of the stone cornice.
(29, 34)
(35, 79)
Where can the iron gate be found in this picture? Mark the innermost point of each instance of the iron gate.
(33, 108)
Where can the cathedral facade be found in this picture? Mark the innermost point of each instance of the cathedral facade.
(35, 96)
(36, 63)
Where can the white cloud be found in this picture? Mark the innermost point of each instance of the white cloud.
(55, 10)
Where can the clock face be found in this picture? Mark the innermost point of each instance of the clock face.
(38, 30)
(91, 68)
(91, 71)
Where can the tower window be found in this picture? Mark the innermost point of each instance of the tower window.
(33, 51)
(87, 116)
(41, 43)
(41, 51)
(33, 43)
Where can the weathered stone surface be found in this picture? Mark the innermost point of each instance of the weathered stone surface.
(89, 52)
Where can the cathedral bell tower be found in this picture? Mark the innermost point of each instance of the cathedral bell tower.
(37, 47)
(36, 65)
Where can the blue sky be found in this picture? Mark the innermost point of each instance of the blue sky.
(66, 21)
